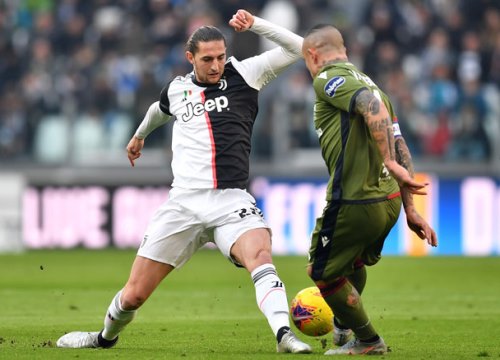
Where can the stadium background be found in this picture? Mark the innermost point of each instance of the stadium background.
(76, 78)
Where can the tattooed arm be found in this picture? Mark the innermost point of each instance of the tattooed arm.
(378, 121)
(377, 118)
(397, 159)
(415, 222)
(403, 157)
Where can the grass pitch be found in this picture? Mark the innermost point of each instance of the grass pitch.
(425, 308)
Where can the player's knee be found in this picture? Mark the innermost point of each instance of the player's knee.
(319, 279)
(332, 286)
(263, 256)
(309, 271)
(252, 261)
(353, 298)
(132, 300)
(371, 259)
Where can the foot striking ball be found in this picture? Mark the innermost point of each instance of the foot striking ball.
(310, 313)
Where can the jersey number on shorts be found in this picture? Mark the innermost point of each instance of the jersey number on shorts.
(250, 211)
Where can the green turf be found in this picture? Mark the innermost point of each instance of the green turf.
(425, 308)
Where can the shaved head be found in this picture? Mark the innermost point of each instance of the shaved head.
(324, 38)
(322, 43)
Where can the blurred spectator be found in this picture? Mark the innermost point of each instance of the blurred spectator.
(14, 131)
(494, 70)
(437, 52)
(469, 139)
(469, 65)
(436, 99)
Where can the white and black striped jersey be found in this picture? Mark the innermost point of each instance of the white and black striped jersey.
(211, 137)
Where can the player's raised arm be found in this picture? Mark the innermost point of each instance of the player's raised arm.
(242, 20)
(289, 42)
(261, 69)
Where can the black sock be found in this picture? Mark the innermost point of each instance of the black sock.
(104, 342)
(339, 325)
(371, 340)
(282, 331)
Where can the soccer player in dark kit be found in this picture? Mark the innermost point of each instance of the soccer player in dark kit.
(371, 175)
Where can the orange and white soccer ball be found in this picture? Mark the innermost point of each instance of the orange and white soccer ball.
(310, 313)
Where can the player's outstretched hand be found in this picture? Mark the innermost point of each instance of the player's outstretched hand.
(242, 20)
(405, 181)
(420, 227)
(134, 148)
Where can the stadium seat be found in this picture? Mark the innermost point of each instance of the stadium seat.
(51, 139)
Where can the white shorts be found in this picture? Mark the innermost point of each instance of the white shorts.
(191, 218)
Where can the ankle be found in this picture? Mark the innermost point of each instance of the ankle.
(281, 332)
(105, 343)
(370, 340)
(338, 325)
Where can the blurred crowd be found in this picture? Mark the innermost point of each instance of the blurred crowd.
(77, 76)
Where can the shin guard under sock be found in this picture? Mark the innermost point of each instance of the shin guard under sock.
(358, 277)
(116, 318)
(271, 296)
(347, 306)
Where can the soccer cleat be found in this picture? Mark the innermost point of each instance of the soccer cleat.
(78, 340)
(292, 344)
(341, 336)
(357, 347)
(81, 340)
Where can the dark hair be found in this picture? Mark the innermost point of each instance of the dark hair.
(317, 28)
(203, 34)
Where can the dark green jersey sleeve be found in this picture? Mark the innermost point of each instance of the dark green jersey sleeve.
(338, 86)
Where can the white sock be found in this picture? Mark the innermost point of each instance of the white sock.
(271, 296)
(116, 318)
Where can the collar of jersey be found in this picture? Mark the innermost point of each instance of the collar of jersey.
(197, 83)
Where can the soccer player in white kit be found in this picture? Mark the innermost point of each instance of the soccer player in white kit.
(214, 109)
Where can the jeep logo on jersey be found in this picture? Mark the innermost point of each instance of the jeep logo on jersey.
(333, 84)
(218, 104)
